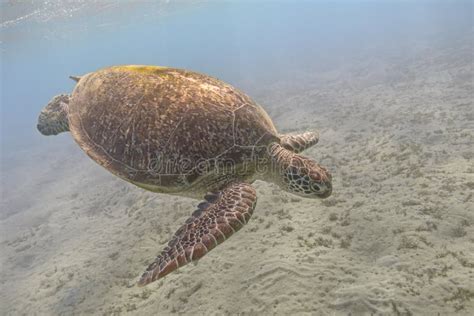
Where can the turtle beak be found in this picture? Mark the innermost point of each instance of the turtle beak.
(325, 190)
(324, 185)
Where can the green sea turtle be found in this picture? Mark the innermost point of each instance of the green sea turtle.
(180, 132)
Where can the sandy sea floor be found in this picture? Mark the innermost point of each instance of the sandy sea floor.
(395, 238)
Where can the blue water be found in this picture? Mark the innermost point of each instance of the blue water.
(239, 42)
(395, 236)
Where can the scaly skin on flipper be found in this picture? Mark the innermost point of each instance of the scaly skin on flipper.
(300, 142)
(215, 220)
(53, 119)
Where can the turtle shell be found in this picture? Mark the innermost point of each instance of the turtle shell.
(155, 126)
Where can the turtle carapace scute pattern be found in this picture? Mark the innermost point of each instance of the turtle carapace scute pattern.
(179, 132)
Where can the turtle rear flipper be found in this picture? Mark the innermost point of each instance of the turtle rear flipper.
(216, 219)
(53, 119)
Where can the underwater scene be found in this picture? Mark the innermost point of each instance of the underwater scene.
(325, 149)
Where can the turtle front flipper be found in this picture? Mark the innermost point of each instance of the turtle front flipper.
(298, 143)
(216, 219)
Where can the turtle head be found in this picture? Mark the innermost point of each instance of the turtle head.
(300, 175)
(53, 118)
(306, 178)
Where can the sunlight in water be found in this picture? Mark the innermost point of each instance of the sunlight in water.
(323, 148)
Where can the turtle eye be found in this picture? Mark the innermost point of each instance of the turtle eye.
(315, 187)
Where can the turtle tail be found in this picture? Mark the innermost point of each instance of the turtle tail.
(75, 78)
